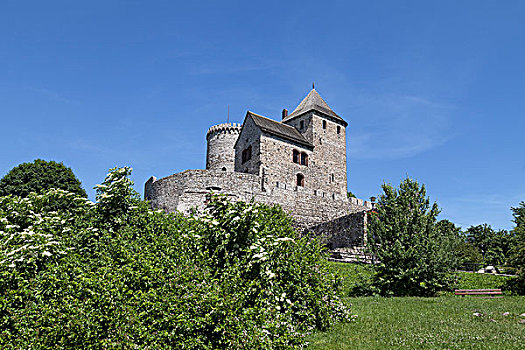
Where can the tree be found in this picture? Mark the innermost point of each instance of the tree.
(493, 245)
(39, 176)
(517, 251)
(415, 256)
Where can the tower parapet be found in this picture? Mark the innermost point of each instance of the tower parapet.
(220, 154)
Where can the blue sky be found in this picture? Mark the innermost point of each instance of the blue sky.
(432, 90)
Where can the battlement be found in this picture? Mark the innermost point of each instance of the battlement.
(225, 127)
(368, 205)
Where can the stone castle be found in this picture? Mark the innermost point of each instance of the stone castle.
(298, 163)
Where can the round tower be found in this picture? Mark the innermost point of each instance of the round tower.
(220, 154)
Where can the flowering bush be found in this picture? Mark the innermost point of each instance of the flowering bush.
(116, 274)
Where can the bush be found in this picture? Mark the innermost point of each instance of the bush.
(40, 176)
(415, 255)
(117, 274)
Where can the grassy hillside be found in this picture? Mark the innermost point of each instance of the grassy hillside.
(446, 322)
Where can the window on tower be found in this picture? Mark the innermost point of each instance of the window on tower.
(300, 180)
(324, 124)
(304, 159)
(296, 156)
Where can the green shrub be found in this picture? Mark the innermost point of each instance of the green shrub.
(38, 176)
(120, 275)
(415, 255)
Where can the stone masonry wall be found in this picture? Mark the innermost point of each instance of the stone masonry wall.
(220, 154)
(346, 231)
(189, 189)
(277, 162)
(250, 136)
(328, 161)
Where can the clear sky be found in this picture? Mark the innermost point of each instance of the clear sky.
(431, 89)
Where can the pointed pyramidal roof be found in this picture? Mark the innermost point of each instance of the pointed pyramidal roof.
(313, 101)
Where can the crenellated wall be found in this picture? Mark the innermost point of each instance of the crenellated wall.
(188, 190)
(220, 154)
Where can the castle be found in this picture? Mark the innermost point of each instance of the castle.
(298, 163)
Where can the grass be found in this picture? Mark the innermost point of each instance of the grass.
(446, 322)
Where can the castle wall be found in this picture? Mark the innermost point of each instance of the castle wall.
(345, 231)
(329, 156)
(250, 136)
(277, 162)
(220, 153)
(189, 189)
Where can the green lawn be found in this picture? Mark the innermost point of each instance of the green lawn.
(446, 322)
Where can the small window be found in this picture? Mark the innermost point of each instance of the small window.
(223, 169)
(304, 159)
(295, 156)
(301, 124)
(324, 124)
(338, 129)
(300, 180)
(247, 154)
(332, 178)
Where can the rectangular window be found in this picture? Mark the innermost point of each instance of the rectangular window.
(295, 156)
(338, 129)
(304, 159)
(324, 124)
(247, 154)
(300, 180)
(301, 124)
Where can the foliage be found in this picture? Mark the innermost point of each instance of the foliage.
(415, 255)
(116, 274)
(517, 253)
(349, 194)
(39, 176)
(468, 254)
(493, 245)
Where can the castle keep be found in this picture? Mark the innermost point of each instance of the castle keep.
(298, 163)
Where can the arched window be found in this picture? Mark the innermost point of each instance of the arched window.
(300, 180)
(295, 156)
(304, 159)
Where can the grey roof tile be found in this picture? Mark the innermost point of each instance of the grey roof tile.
(313, 101)
(279, 129)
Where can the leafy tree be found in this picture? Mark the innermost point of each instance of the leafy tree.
(39, 176)
(349, 194)
(415, 255)
(517, 252)
(493, 245)
(464, 252)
